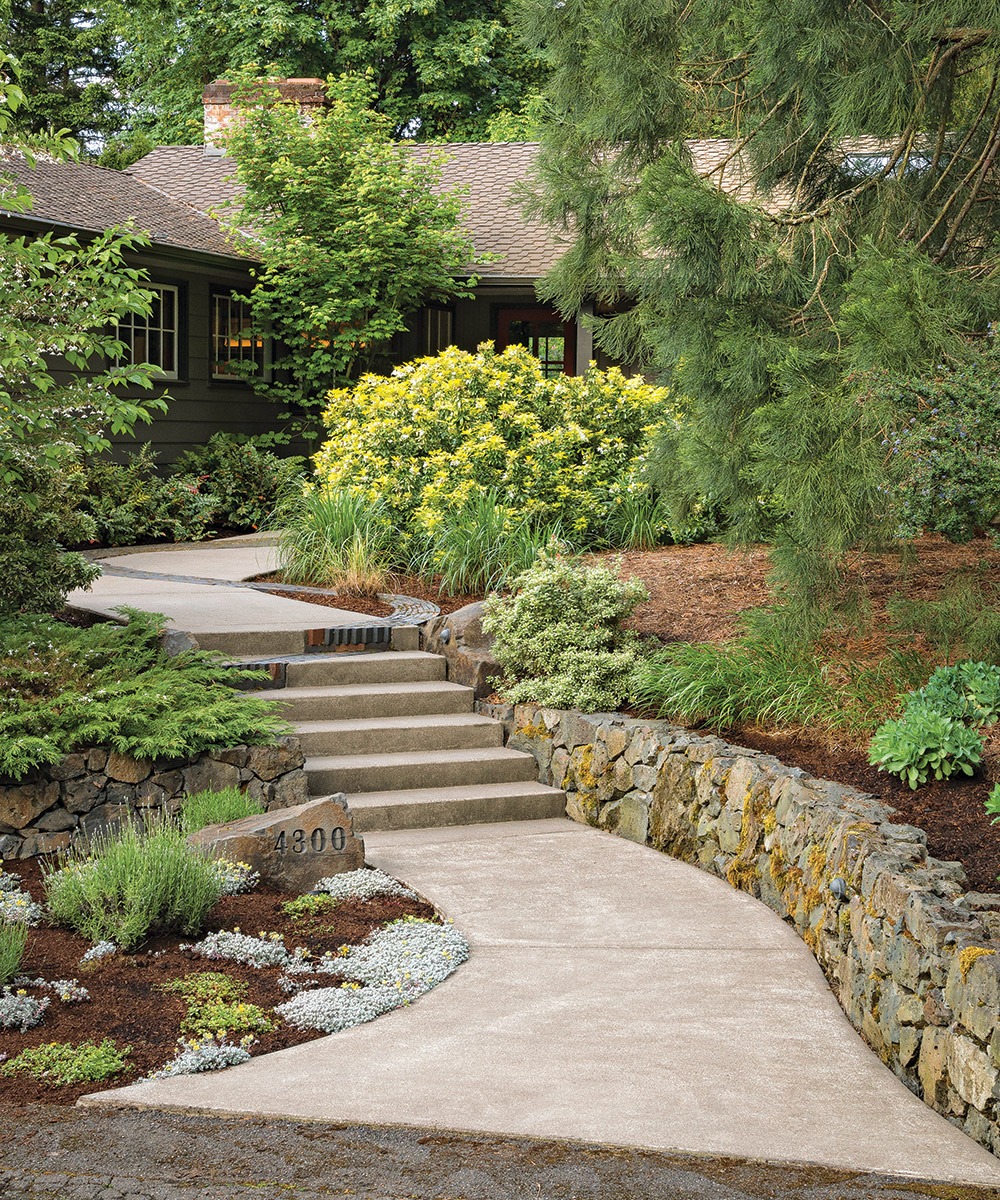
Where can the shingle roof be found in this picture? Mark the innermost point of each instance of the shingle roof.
(170, 191)
(491, 172)
(188, 174)
(488, 169)
(82, 196)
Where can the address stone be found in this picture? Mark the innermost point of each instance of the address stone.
(292, 848)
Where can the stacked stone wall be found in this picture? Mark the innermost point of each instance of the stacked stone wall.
(94, 790)
(911, 954)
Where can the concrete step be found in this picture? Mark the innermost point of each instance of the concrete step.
(392, 735)
(422, 808)
(418, 698)
(418, 768)
(404, 666)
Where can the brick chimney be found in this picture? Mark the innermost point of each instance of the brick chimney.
(306, 94)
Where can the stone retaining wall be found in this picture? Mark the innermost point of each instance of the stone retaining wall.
(93, 790)
(910, 954)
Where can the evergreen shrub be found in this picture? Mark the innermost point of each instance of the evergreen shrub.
(64, 689)
(944, 448)
(559, 635)
(38, 519)
(439, 432)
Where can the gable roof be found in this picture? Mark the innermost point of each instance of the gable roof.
(89, 198)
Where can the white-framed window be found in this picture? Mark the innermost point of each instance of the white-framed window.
(436, 330)
(154, 338)
(238, 349)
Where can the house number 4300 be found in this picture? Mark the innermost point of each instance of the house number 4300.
(298, 841)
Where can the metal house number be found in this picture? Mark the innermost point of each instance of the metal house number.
(298, 841)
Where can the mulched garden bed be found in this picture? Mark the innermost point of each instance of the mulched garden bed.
(697, 594)
(950, 812)
(399, 585)
(127, 1006)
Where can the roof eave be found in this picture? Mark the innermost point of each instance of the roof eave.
(171, 249)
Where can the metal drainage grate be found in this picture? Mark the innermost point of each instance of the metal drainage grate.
(350, 635)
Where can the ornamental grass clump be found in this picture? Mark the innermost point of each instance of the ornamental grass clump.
(335, 538)
(559, 635)
(216, 808)
(484, 544)
(131, 884)
(13, 942)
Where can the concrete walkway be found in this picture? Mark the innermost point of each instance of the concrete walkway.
(614, 995)
(201, 609)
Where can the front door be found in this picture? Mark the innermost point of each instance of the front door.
(549, 338)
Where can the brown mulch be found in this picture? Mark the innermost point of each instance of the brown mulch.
(127, 1006)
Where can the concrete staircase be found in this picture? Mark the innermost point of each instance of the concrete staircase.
(405, 745)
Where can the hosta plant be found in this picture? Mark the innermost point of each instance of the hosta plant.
(925, 743)
(968, 691)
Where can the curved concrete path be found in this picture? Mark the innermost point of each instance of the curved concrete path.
(204, 610)
(613, 995)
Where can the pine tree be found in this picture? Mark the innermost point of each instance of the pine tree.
(837, 258)
(68, 58)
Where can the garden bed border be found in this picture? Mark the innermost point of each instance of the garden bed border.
(910, 954)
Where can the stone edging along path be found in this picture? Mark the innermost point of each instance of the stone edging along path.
(909, 953)
(406, 610)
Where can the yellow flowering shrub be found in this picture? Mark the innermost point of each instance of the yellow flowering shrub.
(442, 431)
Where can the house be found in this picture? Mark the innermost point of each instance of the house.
(191, 266)
(196, 332)
(197, 329)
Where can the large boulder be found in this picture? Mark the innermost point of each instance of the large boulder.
(460, 637)
(292, 848)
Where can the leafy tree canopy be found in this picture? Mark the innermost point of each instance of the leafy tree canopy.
(442, 69)
(61, 299)
(837, 258)
(349, 229)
